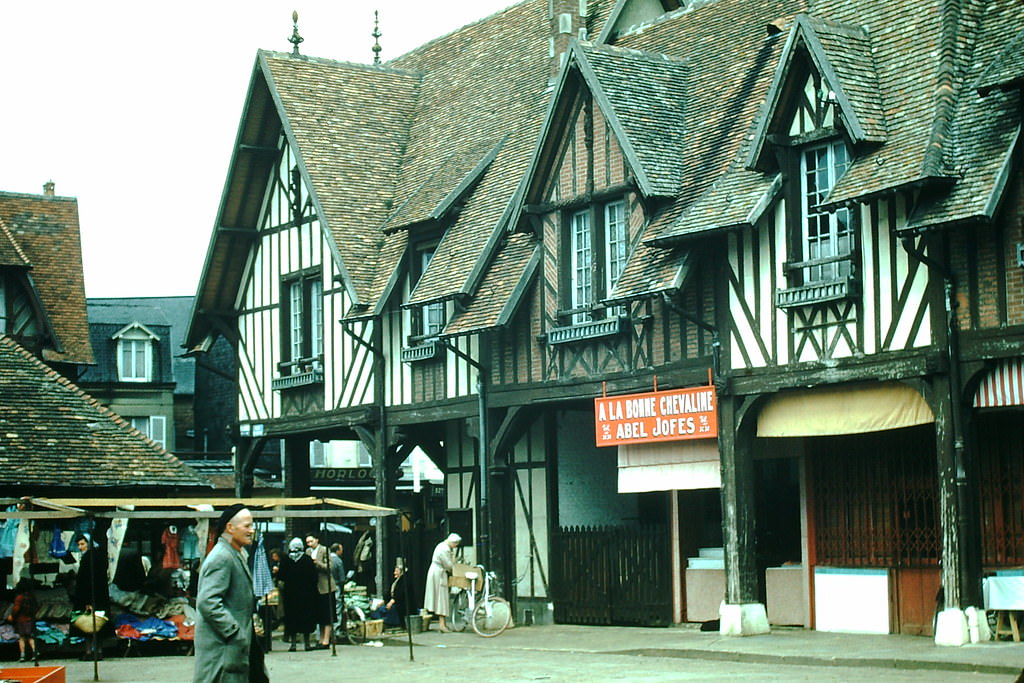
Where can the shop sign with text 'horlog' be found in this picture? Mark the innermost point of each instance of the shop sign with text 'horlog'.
(656, 416)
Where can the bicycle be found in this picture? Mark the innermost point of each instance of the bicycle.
(488, 614)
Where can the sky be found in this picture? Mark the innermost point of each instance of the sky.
(132, 107)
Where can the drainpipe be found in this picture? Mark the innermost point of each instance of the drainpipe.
(380, 457)
(485, 516)
(960, 471)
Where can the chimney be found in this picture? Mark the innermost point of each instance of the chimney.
(568, 19)
(49, 188)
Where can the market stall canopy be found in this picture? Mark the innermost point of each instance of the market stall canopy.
(193, 508)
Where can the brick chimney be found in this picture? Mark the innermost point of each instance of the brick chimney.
(568, 20)
(49, 188)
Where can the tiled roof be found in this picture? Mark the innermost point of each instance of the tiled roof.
(169, 313)
(10, 253)
(1007, 69)
(986, 131)
(54, 434)
(644, 95)
(46, 230)
(480, 84)
(350, 125)
(506, 281)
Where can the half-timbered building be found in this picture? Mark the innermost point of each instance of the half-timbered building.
(805, 213)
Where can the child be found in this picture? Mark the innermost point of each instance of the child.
(23, 614)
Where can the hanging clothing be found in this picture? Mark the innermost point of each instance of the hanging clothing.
(8, 531)
(169, 539)
(22, 542)
(189, 544)
(262, 581)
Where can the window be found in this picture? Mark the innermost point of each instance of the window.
(302, 321)
(595, 244)
(135, 354)
(428, 320)
(154, 427)
(825, 235)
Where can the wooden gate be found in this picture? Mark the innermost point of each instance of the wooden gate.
(612, 575)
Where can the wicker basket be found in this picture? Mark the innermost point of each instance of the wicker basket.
(90, 622)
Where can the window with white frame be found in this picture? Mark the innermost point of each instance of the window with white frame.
(597, 241)
(302, 320)
(429, 319)
(827, 235)
(135, 354)
(153, 426)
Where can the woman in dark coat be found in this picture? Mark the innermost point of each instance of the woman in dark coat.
(92, 592)
(297, 575)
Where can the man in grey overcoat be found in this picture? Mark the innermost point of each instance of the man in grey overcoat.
(225, 604)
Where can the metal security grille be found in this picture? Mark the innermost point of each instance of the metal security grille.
(875, 499)
(612, 575)
(1001, 487)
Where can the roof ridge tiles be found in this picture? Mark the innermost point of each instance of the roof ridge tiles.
(36, 196)
(327, 61)
(652, 55)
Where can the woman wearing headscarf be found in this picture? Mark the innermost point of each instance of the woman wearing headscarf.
(297, 574)
(435, 597)
(92, 593)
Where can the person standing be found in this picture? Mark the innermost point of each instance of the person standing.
(92, 592)
(338, 574)
(324, 589)
(435, 596)
(23, 615)
(298, 594)
(225, 651)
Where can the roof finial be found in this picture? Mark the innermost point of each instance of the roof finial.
(296, 38)
(376, 37)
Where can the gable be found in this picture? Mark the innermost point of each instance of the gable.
(46, 230)
(825, 81)
(628, 15)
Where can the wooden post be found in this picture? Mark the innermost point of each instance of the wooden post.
(743, 613)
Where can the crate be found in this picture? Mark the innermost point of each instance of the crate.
(458, 582)
(371, 628)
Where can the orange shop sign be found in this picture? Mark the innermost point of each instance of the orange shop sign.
(672, 415)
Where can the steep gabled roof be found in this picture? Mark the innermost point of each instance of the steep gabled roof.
(1007, 69)
(506, 282)
(481, 85)
(10, 253)
(46, 231)
(54, 434)
(349, 127)
(842, 56)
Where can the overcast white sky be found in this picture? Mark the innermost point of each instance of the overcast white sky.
(132, 107)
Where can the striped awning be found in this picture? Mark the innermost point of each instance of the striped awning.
(1002, 386)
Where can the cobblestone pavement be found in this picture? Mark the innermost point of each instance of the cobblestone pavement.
(577, 653)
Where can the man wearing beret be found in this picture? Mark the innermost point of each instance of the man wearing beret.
(225, 606)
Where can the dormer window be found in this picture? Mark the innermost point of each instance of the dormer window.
(135, 353)
(427, 320)
(597, 247)
(827, 235)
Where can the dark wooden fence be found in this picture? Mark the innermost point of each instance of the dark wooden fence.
(612, 575)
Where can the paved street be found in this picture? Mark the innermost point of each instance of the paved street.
(575, 653)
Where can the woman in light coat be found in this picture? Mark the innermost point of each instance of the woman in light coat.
(435, 597)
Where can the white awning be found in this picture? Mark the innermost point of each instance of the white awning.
(1002, 386)
(669, 465)
(853, 409)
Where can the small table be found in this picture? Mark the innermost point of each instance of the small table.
(1005, 596)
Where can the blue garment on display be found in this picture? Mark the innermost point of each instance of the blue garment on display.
(262, 581)
(7, 534)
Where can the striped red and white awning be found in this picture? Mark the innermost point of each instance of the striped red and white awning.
(1002, 386)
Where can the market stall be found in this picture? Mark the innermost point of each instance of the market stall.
(142, 614)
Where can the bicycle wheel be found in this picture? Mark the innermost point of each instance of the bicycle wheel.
(458, 611)
(492, 617)
(354, 625)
